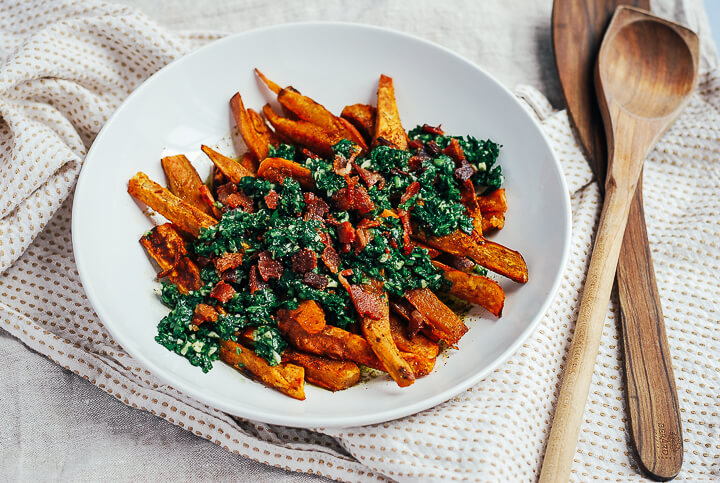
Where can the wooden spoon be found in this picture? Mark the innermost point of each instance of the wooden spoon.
(646, 71)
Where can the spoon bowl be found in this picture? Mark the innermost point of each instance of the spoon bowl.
(647, 67)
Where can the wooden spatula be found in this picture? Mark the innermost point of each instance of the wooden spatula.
(646, 70)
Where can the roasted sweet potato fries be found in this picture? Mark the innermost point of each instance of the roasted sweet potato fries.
(331, 244)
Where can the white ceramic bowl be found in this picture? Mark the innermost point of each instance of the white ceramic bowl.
(186, 104)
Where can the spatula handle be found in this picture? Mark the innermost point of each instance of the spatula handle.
(651, 396)
(588, 330)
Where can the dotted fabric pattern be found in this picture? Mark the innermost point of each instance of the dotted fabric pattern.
(67, 65)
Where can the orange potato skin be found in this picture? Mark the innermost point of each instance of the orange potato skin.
(233, 170)
(309, 135)
(277, 169)
(185, 216)
(286, 378)
(323, 372)
(362, 116)
(444, 323)
(387, 119)
(377, 333)
(475, 289)
(165, 245)
(185, 183)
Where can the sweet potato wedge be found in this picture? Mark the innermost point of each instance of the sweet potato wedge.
(418, 344)
(331, 342)
(270, 84)
(165, 245)
(362, 116)
(321, 371)
(496, 200)
(475, 289)
(185, 216)
(277, 169)
(420, 366)
(256, 142)
(185, 183)
(387, 119)
(324, 372)
(490, 255)
(310, 316)
(493, 207)
(377, 333)
(444, 323)
(233, 170)
(307, 134)
(286, 378)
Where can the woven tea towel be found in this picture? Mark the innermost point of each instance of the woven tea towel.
(67, 65)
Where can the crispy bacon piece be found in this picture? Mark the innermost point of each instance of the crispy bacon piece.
(256, 282)
(304, 261)
(364, 237)
(225, 190)
(407, 231)
(341, 166)
(370, 178)
(432, 149)
(315, 280)
(464, 171)
(415, 144)
(204, 313)
(331, 259)
(309, 154)
(433, 130)
(410, 191)
(315, 207)
(268, 267)
(271, 199)
(240, 200)
(367, 303)
(222, 292)
(346, 232)
(368, 223)
(228, 261)
(362, 201)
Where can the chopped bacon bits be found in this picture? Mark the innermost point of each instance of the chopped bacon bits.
(369, 223)
(341, 166)
(416, 323)
(271, 199)
(346, 232)
(410, 191)
(366, 303)
(228, 261)
(304, 260)
(433, 130)
(347, 272)
(256, 282)
(464, 172)
(363, 238)
(314, 280)
(315, 207)
(407, 231)
(362, 201)
(370, 178)
(331, 259)
(204, 313)
(268, 267)
(222, 292)
(224, 191)
(240, 200)
(432, 148)
(415, 144)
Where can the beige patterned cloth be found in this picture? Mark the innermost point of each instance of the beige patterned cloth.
(67, 65)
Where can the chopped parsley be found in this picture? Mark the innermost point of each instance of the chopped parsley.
(282, 226)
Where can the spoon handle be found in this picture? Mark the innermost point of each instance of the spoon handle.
(651, 395)
(588, 331)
